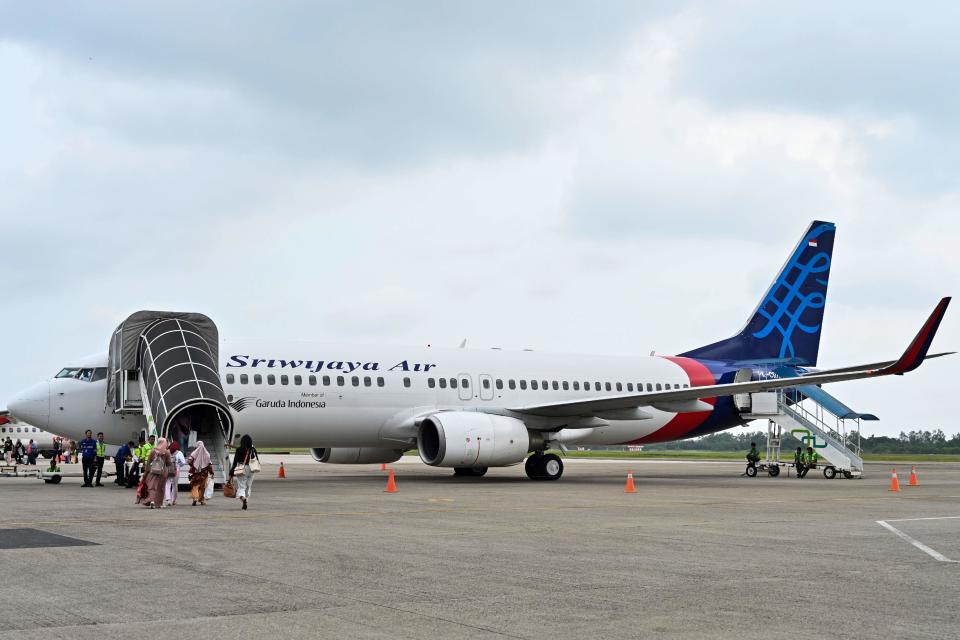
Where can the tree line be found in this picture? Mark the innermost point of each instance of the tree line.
(934, 441)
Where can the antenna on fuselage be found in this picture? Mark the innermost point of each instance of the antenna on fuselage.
(463, 345)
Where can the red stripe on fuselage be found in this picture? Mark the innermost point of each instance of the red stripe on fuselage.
(684, 423)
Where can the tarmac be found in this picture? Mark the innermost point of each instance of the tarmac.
(697, 552)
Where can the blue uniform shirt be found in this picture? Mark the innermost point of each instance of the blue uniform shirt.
(88, 448)
(122, 454)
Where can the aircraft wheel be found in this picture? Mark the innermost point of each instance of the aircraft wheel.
(773, 470)
(470, 472)
(532, 466)
(551, 468)
(751, 471)
(829, 473)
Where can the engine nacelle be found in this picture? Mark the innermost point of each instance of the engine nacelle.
(355, 455)
(471, 439)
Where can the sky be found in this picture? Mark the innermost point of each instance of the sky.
(586, 177)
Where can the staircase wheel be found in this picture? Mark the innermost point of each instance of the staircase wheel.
(773, 470)
(829, 473)
(847, 474)
(751, 471)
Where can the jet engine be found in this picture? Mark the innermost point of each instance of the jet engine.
(355, 455)
(471, 439)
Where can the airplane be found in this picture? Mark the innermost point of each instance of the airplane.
(465, 409)
(15, 429)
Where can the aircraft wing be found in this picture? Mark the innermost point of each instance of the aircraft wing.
(688, 399)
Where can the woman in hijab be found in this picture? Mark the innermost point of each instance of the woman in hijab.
(172, 489)
(244, 476)
(156, 478)
(200, 470)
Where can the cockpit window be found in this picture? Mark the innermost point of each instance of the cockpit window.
(88, 374)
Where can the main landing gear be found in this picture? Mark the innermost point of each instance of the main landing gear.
(541, 466)
(469, 472)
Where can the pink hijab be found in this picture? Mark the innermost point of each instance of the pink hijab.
(162, 447)
(200, 456)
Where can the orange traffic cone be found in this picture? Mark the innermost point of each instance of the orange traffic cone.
(894, 483)
(391, 484)
(913, 482)
(281, 473)
(630, 488)
(383, 466)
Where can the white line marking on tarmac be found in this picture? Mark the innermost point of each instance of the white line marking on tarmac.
(933, 518)
(919, 545)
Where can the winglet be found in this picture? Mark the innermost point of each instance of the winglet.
(917, 351)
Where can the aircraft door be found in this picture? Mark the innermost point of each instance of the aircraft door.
(466, 388)
(486, 386)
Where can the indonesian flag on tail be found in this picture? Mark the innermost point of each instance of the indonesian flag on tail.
(812, 243)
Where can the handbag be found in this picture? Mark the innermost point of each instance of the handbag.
(229, 491)
(254, 463)
(241, 469)
(208, 491)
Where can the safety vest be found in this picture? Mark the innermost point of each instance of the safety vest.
(798, 457)
(812, 457)
(146, 449)
(54, 470)
(101, 449)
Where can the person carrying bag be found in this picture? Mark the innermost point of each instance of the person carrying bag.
(246, 464)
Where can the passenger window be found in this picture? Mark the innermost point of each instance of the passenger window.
(596, 386)
(257, 378)
(312, 381)
(533, 385)
(465, 383)
(298, 380)
(271, 379)
(379, 381)
(576, 385)
(367, 381)
(545, 386)
(406, 382)
(499, 383)
(566, 385)
(556, 385)
(453, 383)
(619, 386)
(341, 381)
(512, 384)
(649, 387)
(523, 385)
(355, 381)
(244, 379)
(486, 383)
(630, 386)
(686, 386)
(658, 386)
(607, 385)
(431, 383)
(284, 379)
(230, 378)
(326, 381)
(443, 383)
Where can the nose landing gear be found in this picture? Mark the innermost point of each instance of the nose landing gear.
(541, 466)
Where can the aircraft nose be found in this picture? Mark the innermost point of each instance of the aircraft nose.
(33, 405)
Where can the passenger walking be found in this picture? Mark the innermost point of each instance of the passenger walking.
(8, 450)
(246, 463)
(101, 455)
(177, 462)
(88, 453)
(200, 471)
(57, 449)
(155, 479)
(18, 451)
(120, 461)
(32, 452)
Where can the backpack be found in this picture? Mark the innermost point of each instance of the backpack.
(157, 466)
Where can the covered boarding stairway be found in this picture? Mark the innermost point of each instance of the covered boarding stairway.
(164, 366)
(814, 417)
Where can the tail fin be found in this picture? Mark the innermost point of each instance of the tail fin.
(785, 326)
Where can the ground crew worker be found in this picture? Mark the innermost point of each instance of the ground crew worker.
(798, 461)
(53, 468)
(101, 449)
(120, 462)
(753, 456)
(88, 454)
(809, 462)
(133, 478)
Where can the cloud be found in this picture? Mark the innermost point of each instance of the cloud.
(547, 177)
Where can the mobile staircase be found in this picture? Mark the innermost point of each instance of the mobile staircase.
(814, 417)
(164, 366)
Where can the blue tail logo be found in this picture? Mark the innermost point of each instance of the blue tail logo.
(785, 326)
(798, 292)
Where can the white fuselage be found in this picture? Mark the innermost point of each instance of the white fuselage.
(307, 394)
